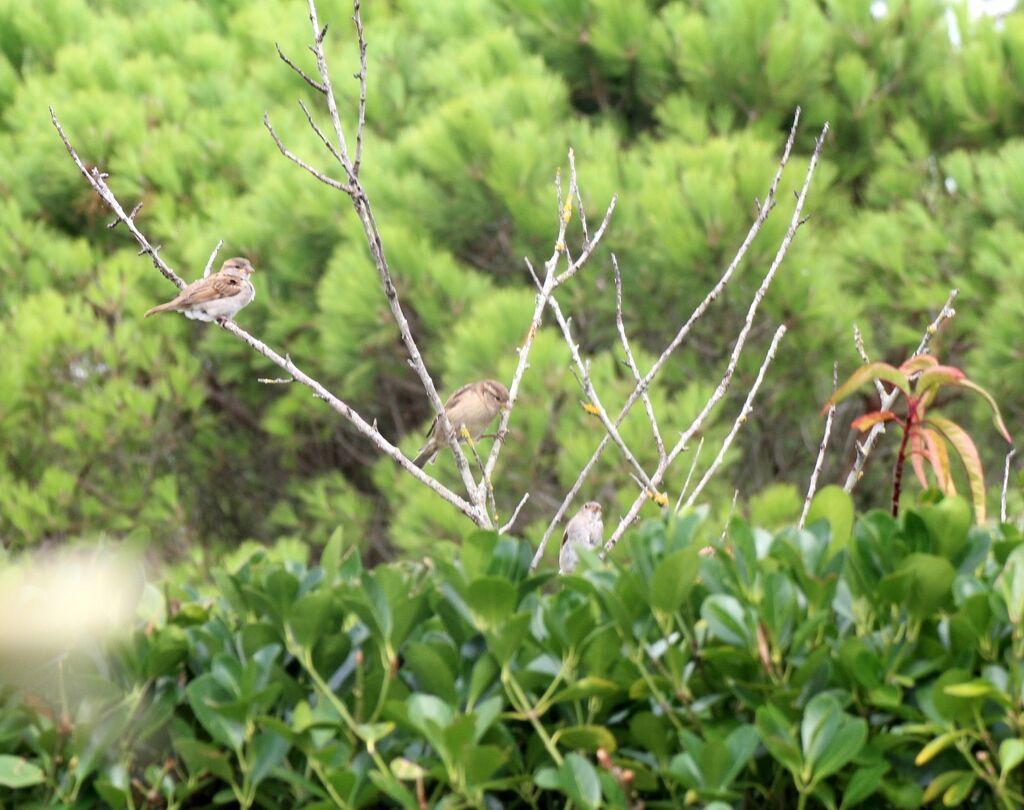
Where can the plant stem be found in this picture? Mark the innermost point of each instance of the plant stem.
(901, 457)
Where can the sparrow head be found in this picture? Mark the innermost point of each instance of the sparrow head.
(593, 507)
(238, 266)
(495, 393)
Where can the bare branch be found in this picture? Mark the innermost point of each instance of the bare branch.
(813, 485)
(1006, 484)
(319, 175)
(631, 361)
(328, 91)
(361, 75)
(209, 262)
(763, 210)
(689, 475)
(361, 204)
(858, 342)
(740, 421)
(308, 79)
(579, 197)
(515, 514)
(888, 400)
(685, 437)
(97, 181)
(597, 408)
(319, 132)
(545, 291)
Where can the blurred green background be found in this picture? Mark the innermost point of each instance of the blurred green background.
(158, 431)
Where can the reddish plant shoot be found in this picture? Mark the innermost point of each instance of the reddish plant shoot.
(926, 435)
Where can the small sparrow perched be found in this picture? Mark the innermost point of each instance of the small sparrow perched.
(472, 407)
(217, 297)
(585, 530)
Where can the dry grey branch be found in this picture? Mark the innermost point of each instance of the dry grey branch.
(630, 516)
(763, 211)
(1006, 484)
(308, 79)
(794, 224)
(361, 203)
(820, 460)
(741, 419)
(631, 361)
(319, 175)
(97, 180)
(888, 400)
(213, 255)
(689, 475)
(515, 514)
(361, 75)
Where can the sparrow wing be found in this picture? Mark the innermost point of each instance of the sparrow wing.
(211, 288)
(449, 406)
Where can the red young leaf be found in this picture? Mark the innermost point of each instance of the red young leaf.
(968, 453)
(872, 371)
(918, 363)
(938, 376)
(939, 458)
(916, 454)
(996, 416)
(869, 420)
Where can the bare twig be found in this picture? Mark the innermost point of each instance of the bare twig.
(813, 485)
(763, 211)
(736, 425)
(319, 132)
(515, 514)
(209, 262)
(1006, 484)
(688, 434)
(545, 290)
(361, 75)
(319, 175)
(308, 79)
(689, 475)
(275, 380)
(631, 361)
(597, 409)
(97, 180)
(858, 342)
(888, 400)
(361, 203)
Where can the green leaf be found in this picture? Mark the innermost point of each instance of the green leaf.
(938, 376)
(830, 737)
(1010, 584)
(918, 362)
(580, 782)
(673, 578)
(775, 733)
(872, 371)
(492, 601)
(585, 738)
(968, 453)
(481, 761)
(957, 792)
(937, 746)
(330, 557)
(309, 616)
(1011, 754)
(940, 783)
(836, 506)
(728, 620)
(212, 705)
(476, 552)
(18, 772)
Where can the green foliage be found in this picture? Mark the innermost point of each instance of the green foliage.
(679, 107)
(774, 669)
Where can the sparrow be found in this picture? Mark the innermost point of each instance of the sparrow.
(585, 530)
(472, 407)
(217, 297)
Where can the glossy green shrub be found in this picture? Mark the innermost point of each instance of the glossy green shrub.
(879, 664)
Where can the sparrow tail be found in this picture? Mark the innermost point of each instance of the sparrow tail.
(423, 458)
(160, 308)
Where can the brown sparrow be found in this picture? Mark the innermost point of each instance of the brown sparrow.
(585, 530)
(472, 407)
(217, 297)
